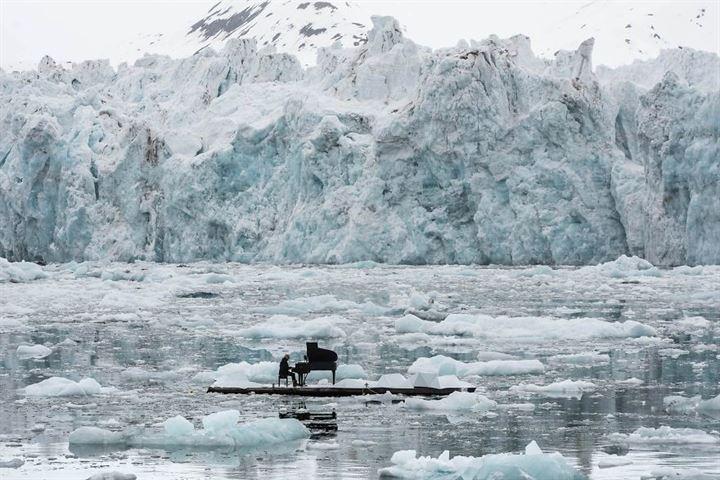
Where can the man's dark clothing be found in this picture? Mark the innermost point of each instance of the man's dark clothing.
(285, 371)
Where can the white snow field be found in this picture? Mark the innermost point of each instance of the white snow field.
(387, 152)
(581, 360)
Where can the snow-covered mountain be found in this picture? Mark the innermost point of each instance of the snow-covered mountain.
(388, 151)
(287, 26)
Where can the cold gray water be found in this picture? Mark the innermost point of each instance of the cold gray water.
(151, 330)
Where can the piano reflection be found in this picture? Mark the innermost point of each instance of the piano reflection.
(316, 359)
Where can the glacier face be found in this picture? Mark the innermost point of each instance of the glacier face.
(391, 152)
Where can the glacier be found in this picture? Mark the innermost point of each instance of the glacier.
(389, 152)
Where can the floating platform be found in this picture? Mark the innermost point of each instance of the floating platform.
(338, 391)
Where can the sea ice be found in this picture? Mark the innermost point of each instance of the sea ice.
(565, 388)
(456, 401)
(20, 272)
(63, 387)
(113, 476)
(524, 329)
(12, 463)
(442, 365)
(220, 429)
(33, 351)
(665, 435)
(532, 465)
(281, 326)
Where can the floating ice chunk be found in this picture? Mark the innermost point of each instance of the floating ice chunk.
(456, 401)
(321, 303)
(613, 461)
(524, 329)
(178, 425)
(324, 445)
(565, 388)
(221, 421)
(624, 267)
(33, 351)
(665, 435)
(362, 443)
(138, 374)
(531, 465)
(95, 436)
(533, 448)
(672, 352)
(691, 324)
(685, 405)
(280, 326)
(631, 381)
(63, 387)
(12, 463)
(219, 430)
(20, 272)
(585, 359)
(670, 473)
(113, 476)
(442, 365)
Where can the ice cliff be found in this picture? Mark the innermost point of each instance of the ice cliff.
(480, 153)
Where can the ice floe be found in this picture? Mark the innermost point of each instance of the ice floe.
(685, 405)
(565, 388)
(624, 267)
(442, 365)
(220, 429)
(32, 351)
(532, 465)
(63, 387)
(456, 401)
(12, 463)
(113, 476)
(665, 435)
(281, 326)
(524, 329)
(20, 272)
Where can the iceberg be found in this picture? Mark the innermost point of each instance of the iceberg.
(532, 465)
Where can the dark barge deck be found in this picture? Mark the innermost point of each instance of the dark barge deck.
(338, 391)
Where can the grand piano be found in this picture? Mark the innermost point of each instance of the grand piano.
(316, 359)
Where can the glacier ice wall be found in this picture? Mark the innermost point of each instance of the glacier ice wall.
(481, 153)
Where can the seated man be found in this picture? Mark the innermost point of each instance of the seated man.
(286, 370)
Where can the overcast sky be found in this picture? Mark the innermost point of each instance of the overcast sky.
(74, 30)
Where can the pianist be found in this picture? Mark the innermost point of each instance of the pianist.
(286, 370)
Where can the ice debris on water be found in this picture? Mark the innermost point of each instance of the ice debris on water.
(220, 429)
(64, 387)
(20, 272)
(113, 476)
(665, 435)
(442, 365)
(12, 463)
(565, 388)
(533, 464)
(525, 329)
(456, 401)
(684, 405)
(32, 351)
